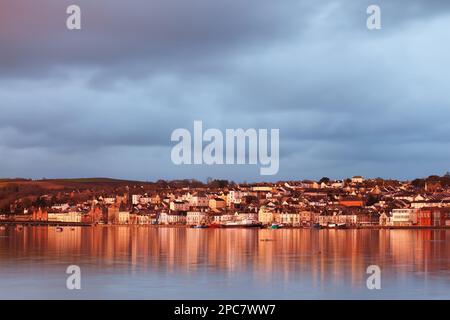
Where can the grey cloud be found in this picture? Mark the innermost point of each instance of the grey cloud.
(345, 99)
(141, 38)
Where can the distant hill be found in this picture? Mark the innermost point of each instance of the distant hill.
(77, 183)
(94, 180)
(18, 188)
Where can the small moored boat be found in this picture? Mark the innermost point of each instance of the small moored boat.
(242, 224)
(200, 226)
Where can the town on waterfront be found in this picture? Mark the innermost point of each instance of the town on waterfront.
(354, 202)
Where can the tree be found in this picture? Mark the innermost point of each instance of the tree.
(218, 184)
(40, 203)
(324, 180)
(418, 183)
(371, 200)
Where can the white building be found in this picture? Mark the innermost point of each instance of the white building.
(253, 216)
(234, 197)
(404, 217)
(221, 218)
(266, 215)
(179, 205)
(262, 188)
(199, 201)
(337, 184)
(348, 219)
(64, 217)
(428, 204)
(143, 219)
(61, 206)
(357, 179)
(135, 199)
(289, 218)
(172, 218)
(197, 217)
(123, 217)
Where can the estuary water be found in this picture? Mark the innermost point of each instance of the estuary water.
(146, 262)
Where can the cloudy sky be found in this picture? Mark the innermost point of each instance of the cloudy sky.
(104, 100)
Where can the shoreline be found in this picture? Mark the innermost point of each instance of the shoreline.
(81, 224)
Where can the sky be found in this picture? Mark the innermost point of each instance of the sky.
(103, 101)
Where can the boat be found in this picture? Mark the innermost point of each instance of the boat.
(59, 229)
(275, 226)
(242, 224)
(317, 226)
(337, 226)
(200, 226)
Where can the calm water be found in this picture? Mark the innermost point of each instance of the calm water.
(177, 263)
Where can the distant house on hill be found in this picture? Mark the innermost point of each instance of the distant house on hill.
(357, 179)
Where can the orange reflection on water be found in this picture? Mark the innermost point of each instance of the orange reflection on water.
(323, 256)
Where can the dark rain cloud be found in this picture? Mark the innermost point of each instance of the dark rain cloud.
(347, 100)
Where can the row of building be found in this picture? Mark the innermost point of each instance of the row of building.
(354, 202)
(425, 217)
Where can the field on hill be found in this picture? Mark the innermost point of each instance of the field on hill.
(30, 190)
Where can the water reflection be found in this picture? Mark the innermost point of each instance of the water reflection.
(296, 263)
